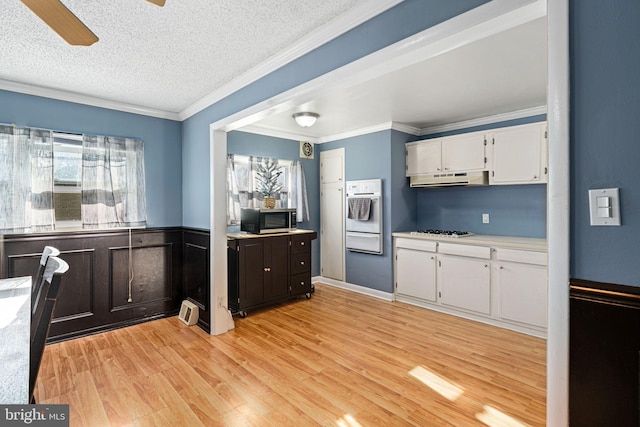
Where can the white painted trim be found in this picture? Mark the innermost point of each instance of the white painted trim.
(536, 332)
(488, 120)
(476, 24)
(85, 100)
(353, 288)
(368, 130)
(221, 319)
(335, 28)
(558, 214)
(258, 130)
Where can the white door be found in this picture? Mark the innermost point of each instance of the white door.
(523, 293)
(416, 273)
(423, 157)
(519, 155)
(332, 251)
(465, 283)
(464, 152)
(332, 166)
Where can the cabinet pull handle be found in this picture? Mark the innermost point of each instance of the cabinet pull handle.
(267, 269)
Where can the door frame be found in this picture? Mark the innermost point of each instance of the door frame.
(343, 250)
(422, 45)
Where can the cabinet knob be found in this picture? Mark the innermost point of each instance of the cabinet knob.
(301, 262)
(301, 283)
(501, 268)
(267, 269)
(301, 243)
(486, 265)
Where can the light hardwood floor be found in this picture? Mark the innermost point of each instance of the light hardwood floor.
(340, 359)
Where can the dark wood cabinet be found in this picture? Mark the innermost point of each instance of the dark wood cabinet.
(266, 270)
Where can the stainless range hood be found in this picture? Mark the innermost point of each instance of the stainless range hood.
(450, 179)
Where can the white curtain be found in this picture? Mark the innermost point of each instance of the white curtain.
(241, 188)
(113, 182)
(26, 180)
(299, 192)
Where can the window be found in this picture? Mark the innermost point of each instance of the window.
(246, 181)
(67, 180)
(242, 186)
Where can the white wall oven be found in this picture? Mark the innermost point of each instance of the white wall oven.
(363, 222)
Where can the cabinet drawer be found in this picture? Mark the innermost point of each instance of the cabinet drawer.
(300, 284)
(528, 257)
(300, 263)
(300, 244)
(417, 244)
(483, 252)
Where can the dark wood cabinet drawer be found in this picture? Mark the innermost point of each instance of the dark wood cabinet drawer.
(301, 263)
(300, 244)
(300, 284)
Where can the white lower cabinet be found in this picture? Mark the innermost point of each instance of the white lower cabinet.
(465, 283)
(416, 273)
(501, 286)
(522, 287)
(416, 268)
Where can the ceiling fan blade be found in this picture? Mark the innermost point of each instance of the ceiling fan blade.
(62, 21)
(157, 2)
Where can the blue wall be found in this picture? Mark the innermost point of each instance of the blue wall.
(162, 143)
(400, 22)
(514, 210)
(605, 135)
(372, 156)
(249, 144)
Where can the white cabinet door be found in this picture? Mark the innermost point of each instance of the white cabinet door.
(522, 290)
(519, 155)
(423, 157)
(332, 231)
(416, 273)
(332, 166)
(464, 153)
(465, 283)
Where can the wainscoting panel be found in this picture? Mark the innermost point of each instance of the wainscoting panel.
(150, 276)
(196, 273)
(94, 292)
(604, 349)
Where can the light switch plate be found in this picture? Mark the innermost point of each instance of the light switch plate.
(598, 201)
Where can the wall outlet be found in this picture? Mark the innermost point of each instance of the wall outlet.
(485, 218)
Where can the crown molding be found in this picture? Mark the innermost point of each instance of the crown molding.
(258, 130)
(520, 114)
(324, 34)
(62, 95)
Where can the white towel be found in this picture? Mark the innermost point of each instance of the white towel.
(359, 208)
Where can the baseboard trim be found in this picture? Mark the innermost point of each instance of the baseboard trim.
(387, 296)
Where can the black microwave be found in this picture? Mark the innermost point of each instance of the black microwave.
(263, 221)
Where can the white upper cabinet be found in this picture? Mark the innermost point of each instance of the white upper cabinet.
(464, 153)
(424, 157)
(331, 167)
(460, 153)
(519, 155)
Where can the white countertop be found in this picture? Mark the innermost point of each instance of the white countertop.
(528, 243)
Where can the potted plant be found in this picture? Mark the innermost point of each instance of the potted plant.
(268, 185)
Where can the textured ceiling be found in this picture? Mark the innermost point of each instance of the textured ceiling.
(161, 58)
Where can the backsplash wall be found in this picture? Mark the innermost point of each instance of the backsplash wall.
(514, 210)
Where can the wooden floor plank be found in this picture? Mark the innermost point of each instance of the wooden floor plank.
(338, 359)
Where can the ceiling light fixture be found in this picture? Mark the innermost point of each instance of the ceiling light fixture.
(306, 119)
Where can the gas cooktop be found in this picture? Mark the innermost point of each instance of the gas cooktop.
(443, 233)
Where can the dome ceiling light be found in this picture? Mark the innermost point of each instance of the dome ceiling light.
(306, 119)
